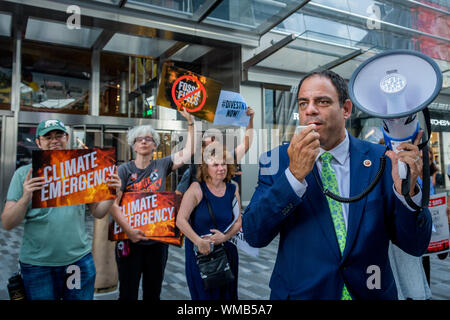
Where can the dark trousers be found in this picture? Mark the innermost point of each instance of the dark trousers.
(426, 268)
(148, 260)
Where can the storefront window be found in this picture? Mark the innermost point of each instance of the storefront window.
(25, 145)
(5, 73)
(280, 113)
(128, 86)
(369, 129)
(55, 79)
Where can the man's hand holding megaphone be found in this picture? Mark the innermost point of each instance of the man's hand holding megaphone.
(410, 155)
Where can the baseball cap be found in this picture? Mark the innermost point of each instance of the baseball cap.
(46, 126)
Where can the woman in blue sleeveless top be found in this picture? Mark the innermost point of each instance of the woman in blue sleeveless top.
(194, 221)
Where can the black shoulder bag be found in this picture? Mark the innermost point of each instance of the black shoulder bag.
(214, 268)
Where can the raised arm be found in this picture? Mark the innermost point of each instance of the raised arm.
(183, 156)
(242, 148)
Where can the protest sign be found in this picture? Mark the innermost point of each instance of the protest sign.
(177, 240)
(180, 88)
(439, 242)
(152, 212)
(73, 176)
(231, 109)
(238, 239)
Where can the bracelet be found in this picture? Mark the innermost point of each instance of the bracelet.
(190, 124)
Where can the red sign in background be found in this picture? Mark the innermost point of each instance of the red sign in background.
(189, 106)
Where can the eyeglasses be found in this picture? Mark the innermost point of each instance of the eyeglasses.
(146, 139)
(58, 136)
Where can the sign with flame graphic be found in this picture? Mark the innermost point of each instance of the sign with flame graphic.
(181, 88)
(152, 212)
(73, 176)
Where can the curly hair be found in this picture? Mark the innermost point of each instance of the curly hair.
(142, 131)
(215, 150)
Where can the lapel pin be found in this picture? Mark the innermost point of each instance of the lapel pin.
(367, 163)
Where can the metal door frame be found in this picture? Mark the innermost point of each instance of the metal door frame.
(7, 158)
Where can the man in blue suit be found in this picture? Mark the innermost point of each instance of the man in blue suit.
(328, 249)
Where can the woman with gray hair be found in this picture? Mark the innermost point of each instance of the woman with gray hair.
(145, 257)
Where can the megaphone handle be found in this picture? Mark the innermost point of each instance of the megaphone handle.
(402, 169)
(406, 183)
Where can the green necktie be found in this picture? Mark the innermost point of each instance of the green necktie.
(329, 182)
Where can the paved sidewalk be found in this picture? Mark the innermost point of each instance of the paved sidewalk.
(254, 273)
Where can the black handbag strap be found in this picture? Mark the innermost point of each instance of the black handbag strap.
(211, 214)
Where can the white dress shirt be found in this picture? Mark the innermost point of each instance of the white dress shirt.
(341, 165)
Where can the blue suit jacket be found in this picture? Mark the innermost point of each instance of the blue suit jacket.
(309, 264)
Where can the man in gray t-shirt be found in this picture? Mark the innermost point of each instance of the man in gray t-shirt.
(55, 238)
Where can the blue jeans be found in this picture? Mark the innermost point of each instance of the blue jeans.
(71, 282)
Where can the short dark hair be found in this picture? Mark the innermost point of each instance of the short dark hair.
(337, 81)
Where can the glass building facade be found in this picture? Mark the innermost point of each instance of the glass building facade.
(96, 64)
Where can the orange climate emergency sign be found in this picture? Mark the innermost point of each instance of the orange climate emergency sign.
(73, 176)
(152, 212)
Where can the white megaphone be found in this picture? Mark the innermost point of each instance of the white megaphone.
(394, 86)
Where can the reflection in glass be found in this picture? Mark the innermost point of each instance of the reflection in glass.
(183, 6)
(25, 145)
(128, 86)
(61, 33)
(118, 140)
(164, 150)
(113, 85)
(113, 2)
(55, 79)
(5, 24)
(280, 112)
(5, 73)
(248, 14)
(5, 88)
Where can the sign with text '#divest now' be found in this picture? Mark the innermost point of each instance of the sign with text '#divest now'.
(72, 177)
(231, 109)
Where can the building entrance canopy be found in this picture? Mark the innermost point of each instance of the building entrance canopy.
(279, 38)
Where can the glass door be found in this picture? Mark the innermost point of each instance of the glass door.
(7, 154)
(105, 136)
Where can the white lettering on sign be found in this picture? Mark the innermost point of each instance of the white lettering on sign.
(442, 123)
(60, 181)
(186, 88)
